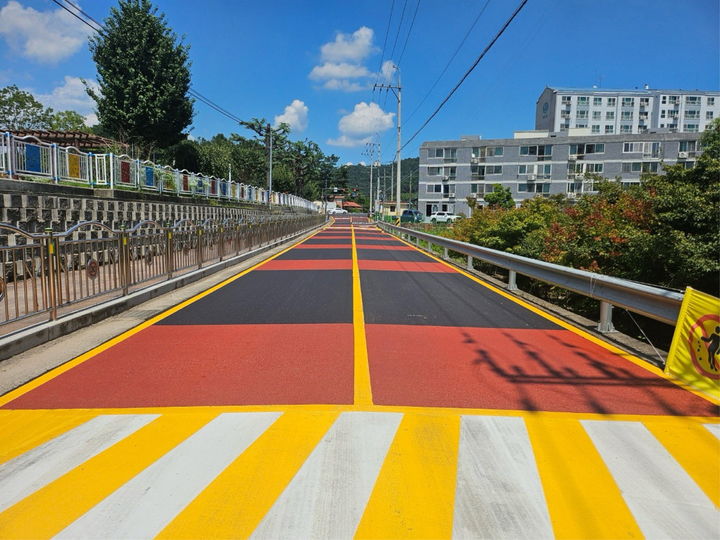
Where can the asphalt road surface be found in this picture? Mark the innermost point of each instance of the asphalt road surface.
(353, 386)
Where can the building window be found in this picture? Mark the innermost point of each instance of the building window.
(434, 171)
(589, 148)
(447, 153)
(581, 124)
(541, 151)
(493, 169)
(610, 115)
(582, 115)
(541, 171)
(711, 101)
(688, 146)
(708, 115)
(626, 115)
(628, 102)
(434, 188)
(692, 100)
(595, 128)
(597, 101)
(532, 187)
(651, 149)
(487, 151)
(583, 101)
(644, 101)
(638, 167)
(674, 100)
(597, 115)
(580, 168)
(672, 114)
(609, 129)
(611, 101)
(450, 172)
(692, 128)
(566, 100)
(626, 128)
(477, 188)
(692, 114)
(662, 113)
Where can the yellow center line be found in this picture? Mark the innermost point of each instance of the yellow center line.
(363, 390)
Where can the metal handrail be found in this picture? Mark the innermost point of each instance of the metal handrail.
(659, 304)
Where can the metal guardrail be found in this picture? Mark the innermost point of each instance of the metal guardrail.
(659, 304)
(30, 157)
(44, 276)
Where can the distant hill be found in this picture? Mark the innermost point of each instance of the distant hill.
(359, 177)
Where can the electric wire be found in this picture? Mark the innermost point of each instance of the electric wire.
(457, 50)
(407, 37)
(194, 93)
(397, 35)
(467, 73)
(382, 56)
(80, 10)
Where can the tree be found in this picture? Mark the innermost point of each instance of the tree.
(143, 77)
(67, 121)
(20, 110)
(500, 197)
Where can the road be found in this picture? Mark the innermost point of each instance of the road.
(354, 386)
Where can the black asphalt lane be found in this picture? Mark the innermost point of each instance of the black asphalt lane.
(380, 242)
(278, 297)
(316, 254)
(323, 241)
(392, 255)
(419, 298)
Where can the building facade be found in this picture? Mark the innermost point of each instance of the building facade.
(541, 164)
(610, 112)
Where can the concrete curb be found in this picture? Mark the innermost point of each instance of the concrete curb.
(24, 340)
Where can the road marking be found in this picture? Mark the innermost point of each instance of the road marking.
(415, 491)
(362, 387)
(234, 504)
(582, 497)
(36, 468)
(21, 431)
(49, 510)
(498, 494)
(328, 495)
(31, 385)
(664, 500)
(714, 429)
(145, 505)
(695, 449)
(582, 333)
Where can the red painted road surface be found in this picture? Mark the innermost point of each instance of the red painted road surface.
(283, 334)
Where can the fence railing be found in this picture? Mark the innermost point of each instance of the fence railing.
(30, 157)
(659, 304)
(43, 276)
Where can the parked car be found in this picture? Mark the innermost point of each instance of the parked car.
(411, 216)
(443, 217)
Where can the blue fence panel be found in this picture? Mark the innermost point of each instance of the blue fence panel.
(149, 177)
(32, 158)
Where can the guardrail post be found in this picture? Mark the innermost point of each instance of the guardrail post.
(124, 260)
(470, 263)
(221, 242)
(169, 252)
(512, 281)
(605, 326)
(446, 255)
(52, 282)
(200, 234)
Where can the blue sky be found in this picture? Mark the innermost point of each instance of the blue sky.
(313, 63)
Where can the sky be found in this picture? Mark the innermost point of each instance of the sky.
(313, 63)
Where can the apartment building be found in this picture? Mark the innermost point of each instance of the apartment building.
(610, 112)
(541, 163)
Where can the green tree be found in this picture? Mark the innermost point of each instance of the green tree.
(500, 197)
(144, 77)
(20, 110)
(67, 121)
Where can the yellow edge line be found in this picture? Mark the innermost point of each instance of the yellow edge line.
(42, 379)
(405, 409)
(568, 326)
(362, 386)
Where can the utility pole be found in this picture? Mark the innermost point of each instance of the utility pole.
(397, 92)
(370, 150)
(269, 174)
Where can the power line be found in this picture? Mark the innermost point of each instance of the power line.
(467, 73)
(194, 93)
(397, 35)
(457, 50)
(382, 56)
(407, 37)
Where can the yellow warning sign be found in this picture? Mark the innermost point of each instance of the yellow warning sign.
(694, 354)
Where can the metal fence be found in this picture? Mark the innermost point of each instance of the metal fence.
(44, 276)
(30, 157)
(659, 304)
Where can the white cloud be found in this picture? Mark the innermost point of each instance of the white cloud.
(343, 70)
(348, 142)
(91, 120)
(70, 95)
(354, 47)
(44, 36)
(388, 70)
(358, 127)
(344, 85)
(296, 115)
(365, 119)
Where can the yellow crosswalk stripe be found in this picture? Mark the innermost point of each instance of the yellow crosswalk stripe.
(582, 497)
(415, 491)
(21, 431)
(49, 510)
(694, 448)
(234, 503)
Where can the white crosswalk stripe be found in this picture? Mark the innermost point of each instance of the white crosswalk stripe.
(498, 492)
(664, 500)
(328, 495)
(714, 429)
(38, 467)
(147, 503)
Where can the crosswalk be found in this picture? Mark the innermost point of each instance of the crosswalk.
(322, 473)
